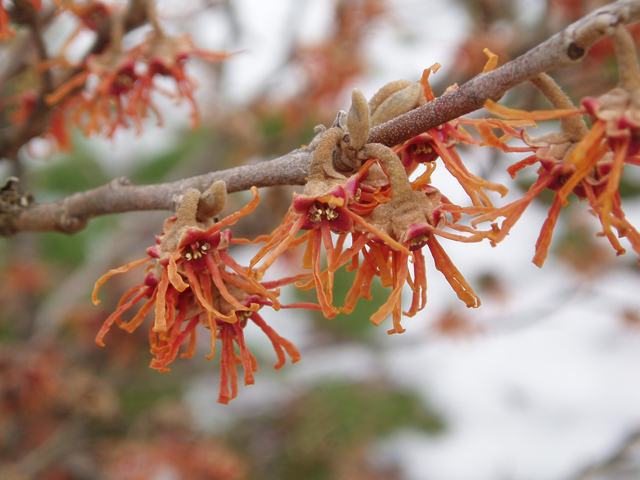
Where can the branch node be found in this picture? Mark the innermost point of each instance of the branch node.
(71, 225)
(119, 182)
(11, 200)
(574, 52)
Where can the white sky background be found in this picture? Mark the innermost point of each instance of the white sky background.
(551, 385)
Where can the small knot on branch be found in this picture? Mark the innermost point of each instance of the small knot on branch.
(119, 182)
(71, 225)
(11, 199)
(574, 52)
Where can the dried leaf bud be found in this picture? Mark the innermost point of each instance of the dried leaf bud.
(212, 201)
(398, 103)
(358, 122)
(385, 92)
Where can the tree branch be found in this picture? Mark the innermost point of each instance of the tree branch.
(69, 215)
(563, 49)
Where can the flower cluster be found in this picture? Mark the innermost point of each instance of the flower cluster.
(360, 193)
(191, 280)
(113, 89)
(578, 160)
(358, 208)
(440, 143)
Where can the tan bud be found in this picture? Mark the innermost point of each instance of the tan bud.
(212, 201)
(385, 92)
(188, 206)
(398, 103)
(358, 123)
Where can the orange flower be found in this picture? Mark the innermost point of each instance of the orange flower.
(392, 224)
(122, 95)
(557, 154)
(166, 56)
(410, 219)
(590, 168)
(324, 208)
(440, 142)
(389, 220)
(190, 284)
(587, 163)
(103, 110)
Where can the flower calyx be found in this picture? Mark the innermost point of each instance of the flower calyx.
(196, 213)
(619, 108)
(411, 215)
